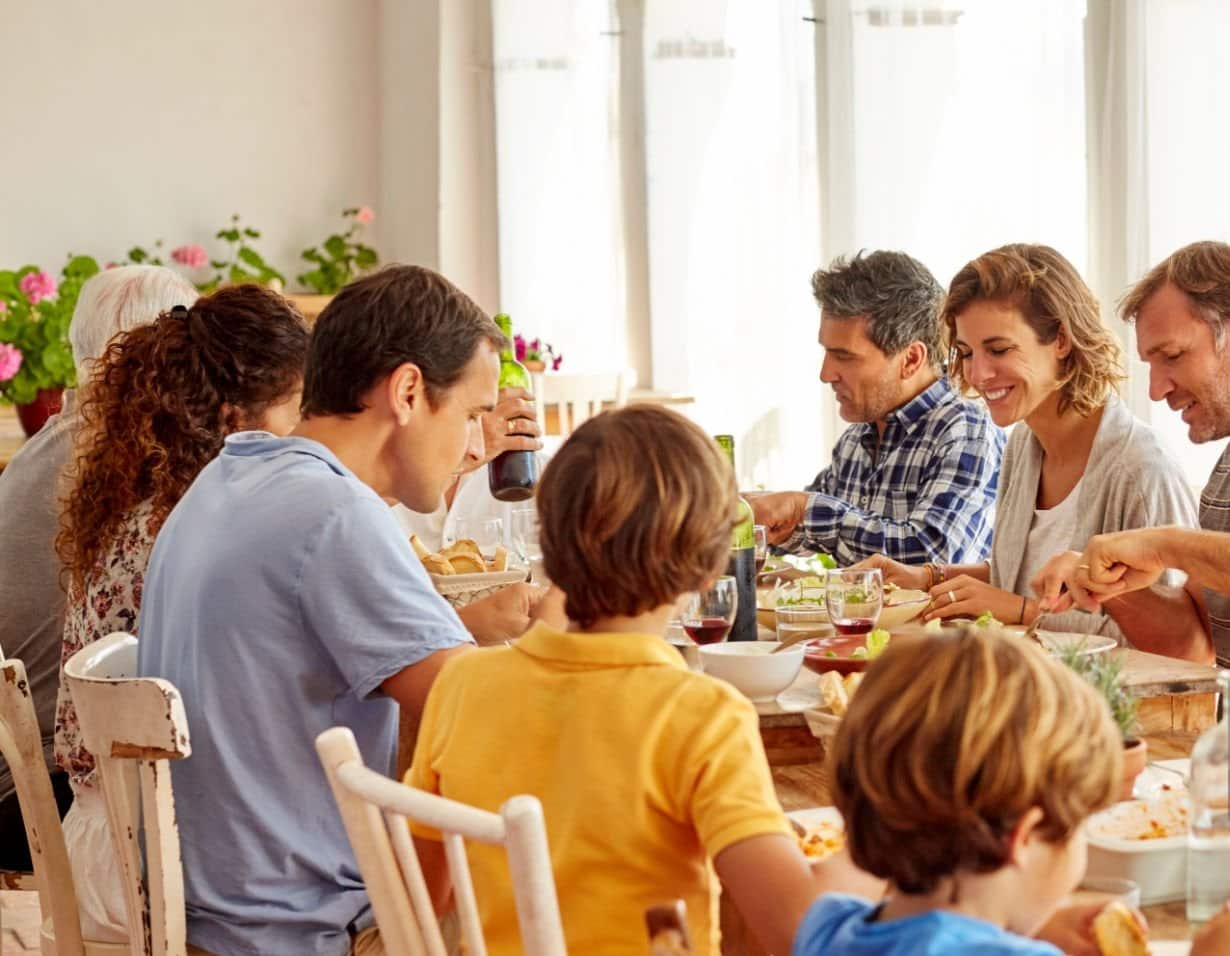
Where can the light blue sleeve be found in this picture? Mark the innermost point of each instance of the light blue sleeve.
(367, 598)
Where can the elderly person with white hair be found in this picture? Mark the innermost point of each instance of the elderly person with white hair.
(32, 625)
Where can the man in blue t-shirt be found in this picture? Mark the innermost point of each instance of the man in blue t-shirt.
(283, 599)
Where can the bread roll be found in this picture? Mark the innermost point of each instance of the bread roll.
(463, 546)
(467, 564)
(1117, 932)
(437, 564)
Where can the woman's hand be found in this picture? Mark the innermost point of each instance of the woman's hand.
(1214, 937)
(965, 596)
(894, 572)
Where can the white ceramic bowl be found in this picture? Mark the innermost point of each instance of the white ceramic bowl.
(1159, 865)
(752, 667)
(901, 607)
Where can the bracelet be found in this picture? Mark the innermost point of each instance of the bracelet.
(942, 573)
(1022, 618)
(930, 569)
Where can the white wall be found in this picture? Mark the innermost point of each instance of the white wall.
(133, 120)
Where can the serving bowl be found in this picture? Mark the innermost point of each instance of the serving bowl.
(901, 606)
(752, 667)
(834, 654)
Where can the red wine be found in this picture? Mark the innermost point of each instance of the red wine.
(854, 625)
(512, 475)
(760, 563)
(706, 630)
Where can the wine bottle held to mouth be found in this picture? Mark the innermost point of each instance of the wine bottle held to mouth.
(512, 475)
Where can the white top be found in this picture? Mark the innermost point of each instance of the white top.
(1050, 533)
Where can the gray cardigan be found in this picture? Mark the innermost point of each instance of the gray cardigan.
(1129, 482)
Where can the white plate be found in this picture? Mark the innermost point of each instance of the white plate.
(1154, 781)
(1170, 947)
(812, 817)
(1056, 641)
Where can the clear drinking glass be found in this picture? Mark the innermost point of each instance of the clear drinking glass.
(854, 599)
(487, 533)
(761, 538)
(1208, 840)
(709, 614)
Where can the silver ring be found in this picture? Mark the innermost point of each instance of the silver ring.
(510, 425)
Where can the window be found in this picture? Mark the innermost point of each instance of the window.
(561, 249)
(1188, 150)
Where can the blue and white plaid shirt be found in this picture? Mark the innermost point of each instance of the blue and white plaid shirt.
(924, 492)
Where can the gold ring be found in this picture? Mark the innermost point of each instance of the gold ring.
(952, 598)
(510, 425)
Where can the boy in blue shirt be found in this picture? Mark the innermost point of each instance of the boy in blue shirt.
(964, 770)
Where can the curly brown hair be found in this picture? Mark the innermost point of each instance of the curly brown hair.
(162, 399)
(1051, 295)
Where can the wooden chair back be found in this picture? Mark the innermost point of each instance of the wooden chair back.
(376, 812)
(134, 726)
(579, 398)
(21, 745)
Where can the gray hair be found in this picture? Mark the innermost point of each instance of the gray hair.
(895, 293)
(117, 300)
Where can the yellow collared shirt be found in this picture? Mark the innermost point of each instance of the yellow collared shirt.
(645, 770)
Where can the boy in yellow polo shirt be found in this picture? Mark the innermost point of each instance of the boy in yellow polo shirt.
(651, 776)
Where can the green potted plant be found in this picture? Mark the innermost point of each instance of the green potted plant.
(341, 258)
(242, 263)
(36, 360)
(1105, 673)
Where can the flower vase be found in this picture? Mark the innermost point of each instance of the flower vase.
(33, 415)
(534, 365)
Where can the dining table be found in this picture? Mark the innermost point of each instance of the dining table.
(1178, 700)
(11, 435)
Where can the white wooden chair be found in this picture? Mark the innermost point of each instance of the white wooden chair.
(134, 726)
(376, 810)
(21, 745)
(580, 397)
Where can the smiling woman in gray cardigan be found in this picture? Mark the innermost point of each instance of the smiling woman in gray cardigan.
(1028, 337)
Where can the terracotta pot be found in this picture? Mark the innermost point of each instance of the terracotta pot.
(534, 365)
(33, 415)
(1135, 756)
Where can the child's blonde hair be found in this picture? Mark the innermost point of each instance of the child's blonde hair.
(951, 739)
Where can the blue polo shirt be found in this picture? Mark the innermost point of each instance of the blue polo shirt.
(280, 594)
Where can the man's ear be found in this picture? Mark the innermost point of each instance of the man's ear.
(913, 358)
(405, 391)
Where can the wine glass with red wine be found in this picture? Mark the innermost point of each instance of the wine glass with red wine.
(709, 614)
(854, 599)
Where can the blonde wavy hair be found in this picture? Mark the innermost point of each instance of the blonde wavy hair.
(951, 739)
(1051, 295)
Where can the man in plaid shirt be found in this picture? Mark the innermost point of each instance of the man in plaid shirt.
(914, 476)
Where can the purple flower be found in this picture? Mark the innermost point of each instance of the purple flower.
(37, 286)
(10, 361)
(519, 347)
(555, 364)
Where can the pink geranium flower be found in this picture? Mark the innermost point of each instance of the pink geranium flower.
(10, 361)
(4, 306)
(364, 215)
(194, 257)
(38, 286)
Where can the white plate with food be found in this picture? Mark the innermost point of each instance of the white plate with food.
(1144, 841)
(820, 830)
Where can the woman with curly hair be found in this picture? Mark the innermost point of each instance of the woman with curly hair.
(1028, 337)
(163, 398)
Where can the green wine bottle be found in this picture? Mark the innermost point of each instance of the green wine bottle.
(742, 565)
(512, 475)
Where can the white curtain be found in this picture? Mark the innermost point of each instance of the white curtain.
(1187, 143)
(734, 225)
(561, 248)
(953, 126)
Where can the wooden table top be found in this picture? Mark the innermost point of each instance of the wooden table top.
(11, 435)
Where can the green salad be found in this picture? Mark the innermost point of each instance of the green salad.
(874, 646)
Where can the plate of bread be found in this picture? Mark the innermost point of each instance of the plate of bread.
(462, 574)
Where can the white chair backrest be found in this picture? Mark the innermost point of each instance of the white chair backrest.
(21, 745)
(580, 397)
(376, 811)
(133, 726)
